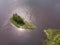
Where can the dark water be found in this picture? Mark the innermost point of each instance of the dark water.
(44, 14)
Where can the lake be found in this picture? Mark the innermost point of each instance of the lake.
(42, 13)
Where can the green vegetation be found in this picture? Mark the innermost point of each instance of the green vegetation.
(18, 22)
(53, 36)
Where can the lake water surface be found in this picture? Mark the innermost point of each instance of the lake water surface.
(42, 13)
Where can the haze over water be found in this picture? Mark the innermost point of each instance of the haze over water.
(43, 13)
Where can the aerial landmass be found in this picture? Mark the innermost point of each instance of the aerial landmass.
(53, 37)
(19, 22)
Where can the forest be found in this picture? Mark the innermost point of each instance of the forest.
(20, 22)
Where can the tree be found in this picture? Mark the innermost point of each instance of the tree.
(18, 19)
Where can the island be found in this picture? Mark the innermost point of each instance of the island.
(53, 37)
(19, 22)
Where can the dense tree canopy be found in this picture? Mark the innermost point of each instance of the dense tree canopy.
(20, 22)
(18, 19)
